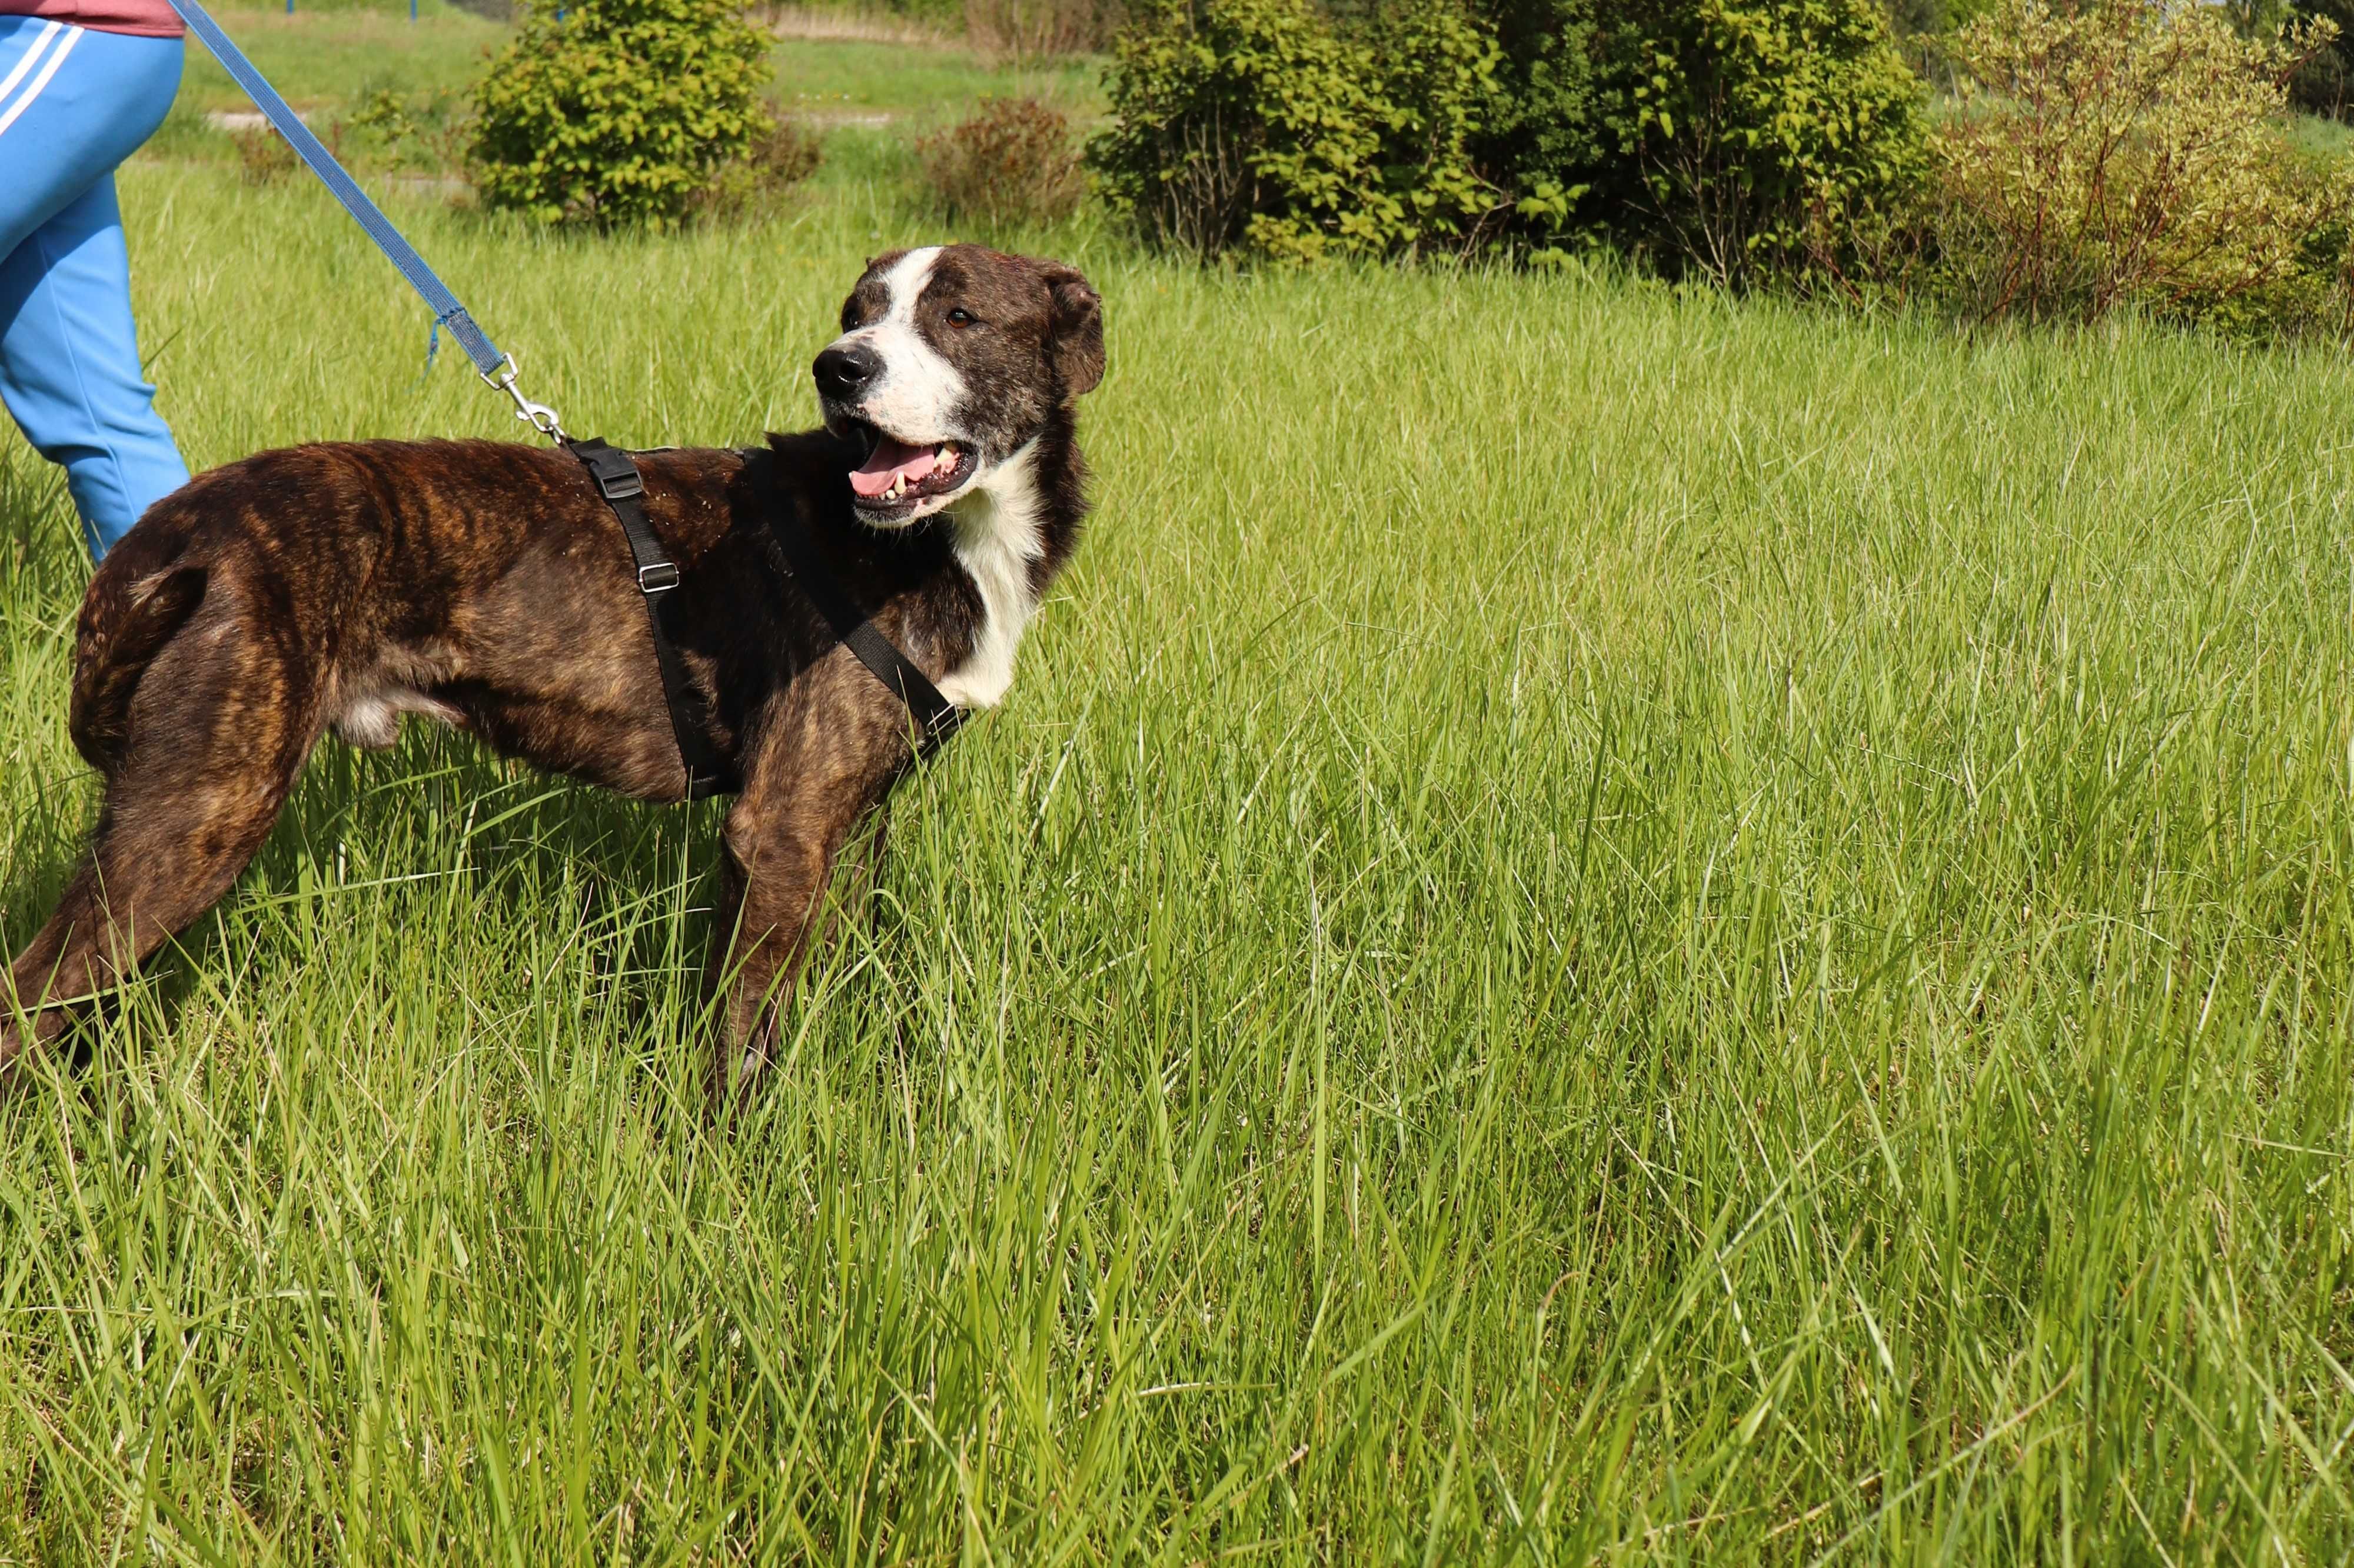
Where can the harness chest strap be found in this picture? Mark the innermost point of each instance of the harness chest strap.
(936, 717)
(617, 479)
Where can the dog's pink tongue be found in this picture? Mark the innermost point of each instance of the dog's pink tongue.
(893, 460)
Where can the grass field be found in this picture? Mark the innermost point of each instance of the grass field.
(1605, 925)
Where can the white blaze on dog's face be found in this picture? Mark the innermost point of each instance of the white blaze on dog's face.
(951, 359)
(915, 392)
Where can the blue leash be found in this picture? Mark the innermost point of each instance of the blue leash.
(497, 368)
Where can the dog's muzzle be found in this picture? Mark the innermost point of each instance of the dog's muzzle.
(843, 374)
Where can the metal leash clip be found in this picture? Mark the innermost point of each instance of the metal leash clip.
(538, 416)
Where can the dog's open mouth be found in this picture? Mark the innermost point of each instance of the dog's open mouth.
(896, 475)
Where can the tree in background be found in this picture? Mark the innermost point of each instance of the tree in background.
(622, 113)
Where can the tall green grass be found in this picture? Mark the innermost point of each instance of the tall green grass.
(1603, 925)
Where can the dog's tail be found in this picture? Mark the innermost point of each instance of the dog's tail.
(125, 622)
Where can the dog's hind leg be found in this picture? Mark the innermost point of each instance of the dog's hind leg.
(215, 733)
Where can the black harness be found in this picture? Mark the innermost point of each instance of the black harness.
(617, 479)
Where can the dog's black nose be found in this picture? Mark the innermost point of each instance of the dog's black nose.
(844, 372)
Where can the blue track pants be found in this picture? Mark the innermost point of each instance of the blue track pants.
(73, 103)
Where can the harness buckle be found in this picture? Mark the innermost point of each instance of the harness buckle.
(625, 484)
(660, 578)
(538, 416)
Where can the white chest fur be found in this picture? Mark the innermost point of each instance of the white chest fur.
(996, 537)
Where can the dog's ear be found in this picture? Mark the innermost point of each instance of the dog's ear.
(1075, 343)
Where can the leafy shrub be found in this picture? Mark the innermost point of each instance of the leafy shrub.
(2325, 83)
(1235, 122)
(1540, 142)
(1746, 137)
(1440, 85)
(2127, 155)
(1035, 29)
(621, 113)
(785, 154)
(422, 129)
(263, 156)
(1733, 137)
(781, 154)
(1012, 162)
(1259, 125)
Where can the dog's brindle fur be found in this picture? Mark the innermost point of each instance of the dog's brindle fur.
(488, 584)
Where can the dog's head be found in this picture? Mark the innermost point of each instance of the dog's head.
(952, 360)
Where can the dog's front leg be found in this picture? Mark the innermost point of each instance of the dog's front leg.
(819, 775)
(779, 869)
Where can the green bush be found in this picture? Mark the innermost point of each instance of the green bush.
(781, 154)
(1239, 123)
(2325, 85)
(1012, 163)
(1262, 126)
(1742, 138)
(263, 156)
(1540, 142)
(1440, 85)
(416, 131)
(1736, 138)
(623, 112)
(2116, 154)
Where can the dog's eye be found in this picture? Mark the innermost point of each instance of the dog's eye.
(960, 317)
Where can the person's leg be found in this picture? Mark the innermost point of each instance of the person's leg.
(73, 103)
(70, 368)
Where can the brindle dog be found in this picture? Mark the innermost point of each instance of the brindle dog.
(488, 584)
